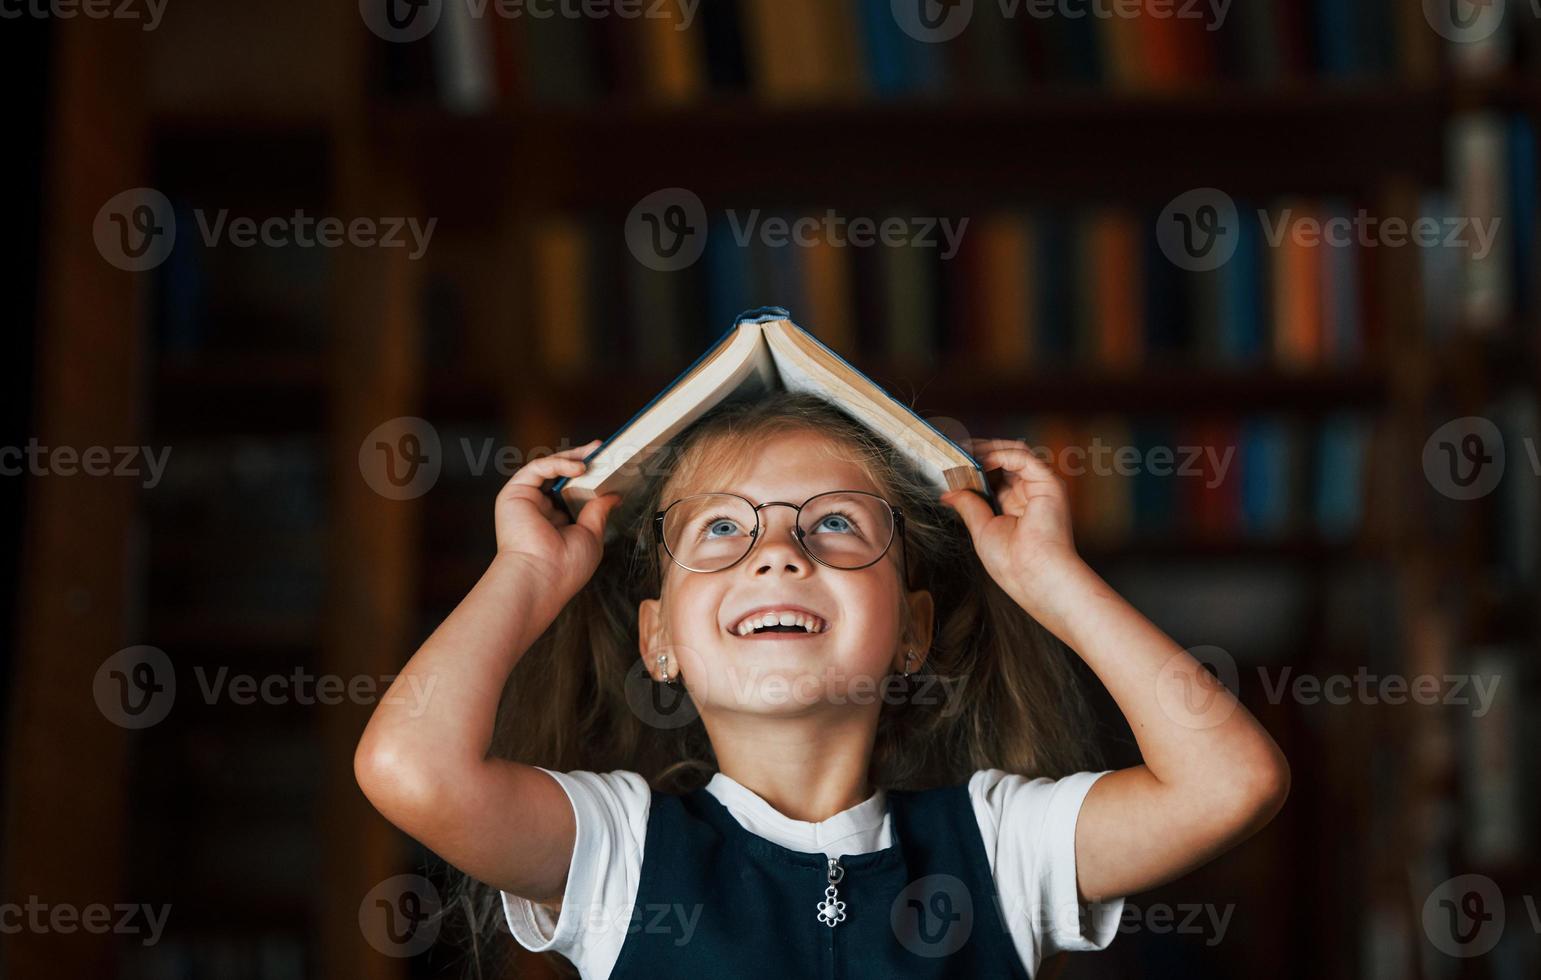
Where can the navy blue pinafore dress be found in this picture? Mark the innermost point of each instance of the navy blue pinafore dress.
(715, 900)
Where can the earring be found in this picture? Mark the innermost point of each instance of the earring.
(663, 667)
(909, 655)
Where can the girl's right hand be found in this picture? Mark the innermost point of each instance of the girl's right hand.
(531, 528)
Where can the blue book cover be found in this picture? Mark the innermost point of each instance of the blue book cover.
(1522, 210)
(897, 63)
(1265, 476)
(1339, 48)
(729, 273)
(181, 289)
(1241, 296)
(1155, 496)
(887, 49)
(1340, 465)
(1341, 327)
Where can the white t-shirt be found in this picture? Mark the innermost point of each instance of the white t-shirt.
(1027, 825)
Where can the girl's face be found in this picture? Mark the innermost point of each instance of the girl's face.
(861, 643)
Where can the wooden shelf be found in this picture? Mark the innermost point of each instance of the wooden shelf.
(226, 393)
(1050, 144)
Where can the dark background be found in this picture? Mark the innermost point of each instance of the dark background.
(1333, 547)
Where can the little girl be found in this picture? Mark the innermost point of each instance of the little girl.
(806, 718)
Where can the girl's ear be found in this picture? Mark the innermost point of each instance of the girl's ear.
(921, 611)
(648, 619)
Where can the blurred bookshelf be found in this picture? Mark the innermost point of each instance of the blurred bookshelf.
(1058, 321)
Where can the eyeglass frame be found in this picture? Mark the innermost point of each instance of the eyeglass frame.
(754, 535)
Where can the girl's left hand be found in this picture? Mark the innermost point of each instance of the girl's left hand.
(1024, 545)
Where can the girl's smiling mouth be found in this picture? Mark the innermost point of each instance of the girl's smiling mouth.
(782, 621)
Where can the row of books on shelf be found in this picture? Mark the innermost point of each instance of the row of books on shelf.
(1043, 285)
(1255, 479)
(787, 51)
(1484, 269)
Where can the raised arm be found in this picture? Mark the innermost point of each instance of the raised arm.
(1212, 776)
(422, 760)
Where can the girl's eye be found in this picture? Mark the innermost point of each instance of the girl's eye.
(842, 522)
(718, 523)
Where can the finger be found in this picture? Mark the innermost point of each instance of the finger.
(983, 445)
(578, 451)
(538, 471)
(596, 513)
(1018, 460)
(976, 513)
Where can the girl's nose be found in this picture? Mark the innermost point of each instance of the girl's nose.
(778, 544)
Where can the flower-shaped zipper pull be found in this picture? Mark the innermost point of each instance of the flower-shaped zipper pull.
(832, 910)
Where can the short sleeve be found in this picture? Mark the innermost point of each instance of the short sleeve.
(1028, 828)
(610, 811)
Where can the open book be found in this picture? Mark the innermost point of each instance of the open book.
(762, 352)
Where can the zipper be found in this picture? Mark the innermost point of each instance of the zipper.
(831, 911)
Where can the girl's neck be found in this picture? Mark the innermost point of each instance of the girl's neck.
(808, 776)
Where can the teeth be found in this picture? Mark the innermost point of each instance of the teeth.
(785, 618)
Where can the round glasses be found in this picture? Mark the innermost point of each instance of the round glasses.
(845, 529)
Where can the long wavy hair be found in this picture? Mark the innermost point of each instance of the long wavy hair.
(1018, 704)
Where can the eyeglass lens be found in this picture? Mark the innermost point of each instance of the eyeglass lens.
(710, 531)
